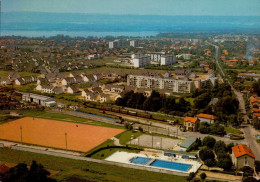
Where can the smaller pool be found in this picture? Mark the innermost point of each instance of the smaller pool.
(140, 160)
(171, 165)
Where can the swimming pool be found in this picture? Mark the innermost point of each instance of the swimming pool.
(161, 163)
(140, 160)
(171, 165)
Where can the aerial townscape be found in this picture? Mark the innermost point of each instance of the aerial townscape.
(100, 92)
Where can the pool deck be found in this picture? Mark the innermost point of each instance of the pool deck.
(125, 157)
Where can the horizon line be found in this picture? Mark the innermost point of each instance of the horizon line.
(127, 14)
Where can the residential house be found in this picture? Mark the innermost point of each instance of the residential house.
(115, 88)
(191, 123)
(90, 96)
(25, 80)
(88, 78)
(104, 98)
(242, 156)
(5, 81)
(206, 118)
(67, 81)
(72, 89)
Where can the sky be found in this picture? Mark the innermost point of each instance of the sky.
(138, 7)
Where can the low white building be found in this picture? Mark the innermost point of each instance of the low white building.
(206, 118)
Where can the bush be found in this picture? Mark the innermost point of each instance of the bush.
(248, 171)
(209, 141)
(203, 176)
(220, 147)
(206, 153)
(225, 163)
(210, 162)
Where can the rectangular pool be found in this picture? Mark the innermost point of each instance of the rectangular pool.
(140, 160)
(171, 165)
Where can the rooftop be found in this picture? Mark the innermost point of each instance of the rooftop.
(188, 142)
(240, 150)
(208, 116)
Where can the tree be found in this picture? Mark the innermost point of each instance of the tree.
(203, 176)
(217, 129)
(204, 128)
(209, 141)
(229, 147)
(256, 87)
(248, 171)
(206, 153)
(220, 147)
(224, 162)
(22, 174)
(249, 179)
(256, 123)
(153, 103)
(202, 101)
(210, 162)
(191, 176)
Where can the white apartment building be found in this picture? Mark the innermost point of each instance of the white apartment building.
(168, 59)
(140, 60)
(186, 56)
(157, 82)
(134, 43)
(155, 56)
(115, 44)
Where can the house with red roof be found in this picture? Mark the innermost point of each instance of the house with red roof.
(191, 123)
(242, 156)
(206, 118)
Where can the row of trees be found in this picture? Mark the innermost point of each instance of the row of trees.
(215, 129)
(22, 173)
(155, 102)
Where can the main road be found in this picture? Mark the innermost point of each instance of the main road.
(249, 131)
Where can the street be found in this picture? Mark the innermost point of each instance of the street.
(248, 130)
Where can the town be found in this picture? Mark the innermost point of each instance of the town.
(187, 107)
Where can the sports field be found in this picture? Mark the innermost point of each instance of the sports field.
(57, 134)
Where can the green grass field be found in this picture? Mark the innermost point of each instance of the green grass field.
(85, 170)
(232, 130)
(126, 136)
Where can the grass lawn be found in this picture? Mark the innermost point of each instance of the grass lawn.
(126, 136)
(232, 130)
(84, 169)
(123, 139)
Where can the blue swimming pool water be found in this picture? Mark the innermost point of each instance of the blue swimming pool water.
(140, 160)
(171, 165)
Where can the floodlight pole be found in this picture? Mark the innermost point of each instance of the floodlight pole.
(66, 141)
(21, 129)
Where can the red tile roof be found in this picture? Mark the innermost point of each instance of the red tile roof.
(253, 100)
(257, 115)
(256, 110)
(4, 169)
(190, 119)
(208, 116)
(240, 150)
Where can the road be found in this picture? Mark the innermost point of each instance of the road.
(248, 130)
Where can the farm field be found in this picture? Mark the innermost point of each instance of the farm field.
(56, 134)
